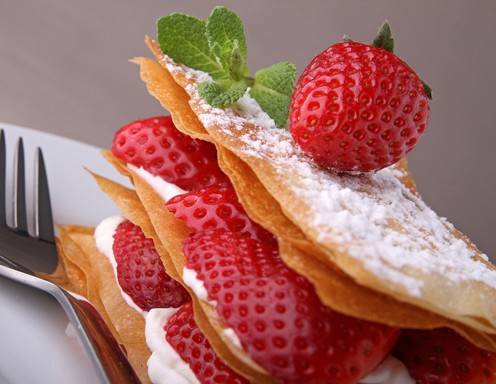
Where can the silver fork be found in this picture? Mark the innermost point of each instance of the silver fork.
(22, 254)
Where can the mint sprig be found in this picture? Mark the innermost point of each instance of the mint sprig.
(218, 47)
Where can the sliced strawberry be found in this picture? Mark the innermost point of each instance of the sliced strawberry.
(190, 343)
(277, 315)
(156, 145)
(441, 356)
(140, 271)
(215, 207)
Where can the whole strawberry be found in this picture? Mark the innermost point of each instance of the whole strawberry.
(183, 334)
(215, 207)
(441, 356)
(140, 271)
(277, 315)
(358, 107)
(160, 148)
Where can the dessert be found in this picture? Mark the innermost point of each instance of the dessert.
(247, 252)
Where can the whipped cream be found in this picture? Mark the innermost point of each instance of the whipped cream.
(164, 365)
(190, 278)
(251, 111)
(104, 238)
(391, 371)
(229, 334)
(163, 188)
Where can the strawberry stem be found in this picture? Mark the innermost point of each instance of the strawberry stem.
(384, 38)
(346, 38)
(428, 90)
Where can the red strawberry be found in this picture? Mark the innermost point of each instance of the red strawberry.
(277, 315)
(441, 356)
(140, 271)
(156, 145)
(358, 108)
(187, 339)
(215, 207)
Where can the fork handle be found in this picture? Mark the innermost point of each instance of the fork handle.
(106, 353)
(12, 264)
(107, 356)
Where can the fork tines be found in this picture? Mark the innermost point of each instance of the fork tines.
(43, 221)
(20, 219)
(43, 208)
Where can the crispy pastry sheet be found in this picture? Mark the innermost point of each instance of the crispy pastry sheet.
(469, 302)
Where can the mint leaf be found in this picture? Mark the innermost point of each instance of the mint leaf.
(183, 38)
(219, 96)
(384, 38)
(237, 65)
(280, 77)
(216, 50)
(272, 90)
(224, 31)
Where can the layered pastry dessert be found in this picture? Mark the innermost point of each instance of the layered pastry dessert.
(274, 233)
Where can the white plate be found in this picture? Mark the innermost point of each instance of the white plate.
(34, 346)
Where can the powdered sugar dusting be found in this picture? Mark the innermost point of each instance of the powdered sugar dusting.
(375, 218)
(251, 111)
(189, 73)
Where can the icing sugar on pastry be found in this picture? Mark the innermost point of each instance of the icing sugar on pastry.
(375, 218)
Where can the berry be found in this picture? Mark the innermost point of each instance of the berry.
(215, 207)
(156, 145)
(140, 271)
(441, 356)
(190, 343)
(358, 108)
(278, 317)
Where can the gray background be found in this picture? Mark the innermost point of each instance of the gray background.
(64, 69)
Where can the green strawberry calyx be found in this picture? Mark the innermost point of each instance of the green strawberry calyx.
(384, 39)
